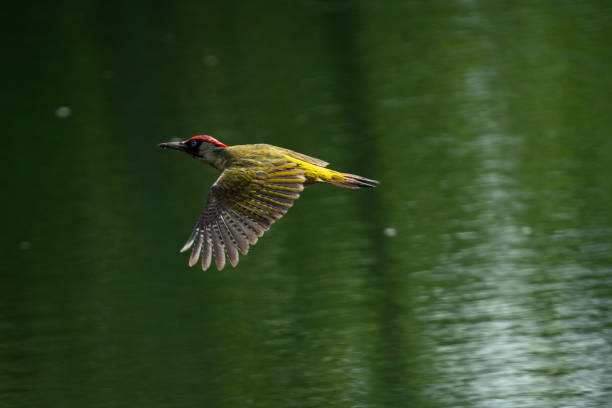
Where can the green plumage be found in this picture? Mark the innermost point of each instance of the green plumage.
(257, 186)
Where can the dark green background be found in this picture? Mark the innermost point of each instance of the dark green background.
(489, 125)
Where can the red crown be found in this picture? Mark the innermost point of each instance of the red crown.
(208, 139)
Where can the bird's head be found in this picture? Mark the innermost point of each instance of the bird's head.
(200, 147)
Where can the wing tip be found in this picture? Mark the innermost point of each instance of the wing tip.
(205, 263)
(220, 264)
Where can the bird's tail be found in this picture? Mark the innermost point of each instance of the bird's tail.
(348, 180)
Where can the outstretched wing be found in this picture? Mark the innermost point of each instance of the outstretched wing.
(241, 206)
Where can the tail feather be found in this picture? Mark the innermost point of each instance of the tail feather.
(347, 180)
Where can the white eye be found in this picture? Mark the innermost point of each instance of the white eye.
(193, 143)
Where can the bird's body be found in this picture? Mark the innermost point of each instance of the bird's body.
(264, 156)
(258, 184)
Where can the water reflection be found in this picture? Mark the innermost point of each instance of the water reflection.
(517, 329)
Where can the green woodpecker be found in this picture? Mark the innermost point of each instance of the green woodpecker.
(257, 186)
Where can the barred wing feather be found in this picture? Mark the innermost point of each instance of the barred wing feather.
(241, 206)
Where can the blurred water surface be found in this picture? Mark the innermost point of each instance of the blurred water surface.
(478, 274)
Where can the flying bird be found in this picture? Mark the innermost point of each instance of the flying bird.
(258, 184)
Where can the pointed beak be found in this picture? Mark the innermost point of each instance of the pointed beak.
(172, 145)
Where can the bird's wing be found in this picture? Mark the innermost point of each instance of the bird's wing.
(302, 157)
(241, 206)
